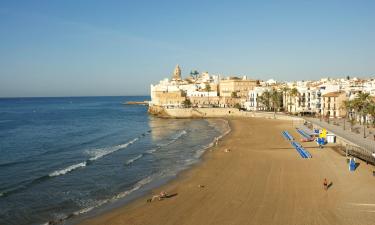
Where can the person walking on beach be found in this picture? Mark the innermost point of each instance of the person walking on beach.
(325, 184)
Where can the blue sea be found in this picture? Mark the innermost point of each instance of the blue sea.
(64, 158)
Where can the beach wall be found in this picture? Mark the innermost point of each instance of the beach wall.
(350, 148)
(213, 113)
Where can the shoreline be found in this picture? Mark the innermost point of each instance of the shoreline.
(83, 215)
(261, 181)
(168, 183)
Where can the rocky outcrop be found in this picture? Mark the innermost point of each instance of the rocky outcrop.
(158, 111)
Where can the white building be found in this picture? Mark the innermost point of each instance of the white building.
(252, 102)
(172, 93)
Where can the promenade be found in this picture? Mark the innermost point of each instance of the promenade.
(358, 139)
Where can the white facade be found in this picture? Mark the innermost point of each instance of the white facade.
(369, 87)
(252, 102)
(309, 97)
(271, 82)
(195, 88)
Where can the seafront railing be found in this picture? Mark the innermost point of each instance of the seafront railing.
(360, 153)
(354, 144)
(356, 139)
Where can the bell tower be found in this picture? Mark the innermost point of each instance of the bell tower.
(177, 73)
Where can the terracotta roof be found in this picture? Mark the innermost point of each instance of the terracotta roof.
(333, 94)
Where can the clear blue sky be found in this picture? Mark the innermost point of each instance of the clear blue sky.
(75, 48)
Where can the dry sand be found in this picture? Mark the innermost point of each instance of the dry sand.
(262, 180)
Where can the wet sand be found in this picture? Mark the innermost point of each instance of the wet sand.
(261, 180)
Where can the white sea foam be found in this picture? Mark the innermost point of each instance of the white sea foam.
(180, 134)
(130, 161)
(88, 209)
(67, 169)
(101, 152)
(175, 138)
(224, 131)
(137, 186)
(200, 152)
(189, 161)
(152, 150)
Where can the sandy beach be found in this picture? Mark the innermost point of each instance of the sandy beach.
(261, 180)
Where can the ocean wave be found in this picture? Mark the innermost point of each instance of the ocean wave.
(88, 209)
(98, 154)
(67, 169)
(224, 132)
(101, 152)
(174, 138)
(228, 128)
(120, 195)
(200, 152)
(137, 186)
(130, 161)
(180, 134)
(152, 150)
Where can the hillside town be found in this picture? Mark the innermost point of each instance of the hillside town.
(350, 98)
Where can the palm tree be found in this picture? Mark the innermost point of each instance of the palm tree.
(186, 103)
(194, 74)
(208, 89)
(285, 90)
(371, 111)
(362, 105)
(265, 99)
(275, 98)
(348, 106)
(294, 93)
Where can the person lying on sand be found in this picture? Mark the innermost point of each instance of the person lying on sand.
(159, 197)
(227, 150)
(163, 194)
